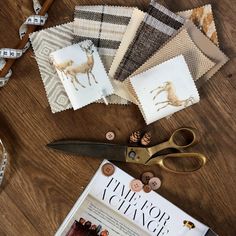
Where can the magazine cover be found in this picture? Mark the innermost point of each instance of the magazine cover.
(108, 206)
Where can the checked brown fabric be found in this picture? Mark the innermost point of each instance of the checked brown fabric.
(158, 26)
(104, 26)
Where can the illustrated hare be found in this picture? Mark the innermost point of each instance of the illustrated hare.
(172, 99)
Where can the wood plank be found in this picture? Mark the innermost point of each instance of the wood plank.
(41, 185)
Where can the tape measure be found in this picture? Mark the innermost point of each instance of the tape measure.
(4, 161)
(10, 53)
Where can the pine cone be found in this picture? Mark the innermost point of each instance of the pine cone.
(146, 139)
(135, 137)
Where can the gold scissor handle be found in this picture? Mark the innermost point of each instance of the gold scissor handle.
(160, 160)
(186, 135)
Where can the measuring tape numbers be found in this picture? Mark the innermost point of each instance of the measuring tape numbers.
(10, 53)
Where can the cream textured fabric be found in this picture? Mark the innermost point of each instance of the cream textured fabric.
(197, 62)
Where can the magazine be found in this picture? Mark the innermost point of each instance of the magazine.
(108, 206)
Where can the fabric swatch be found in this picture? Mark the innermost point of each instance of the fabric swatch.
(82, 73)
(104, 25)
(203, 18)
(197, 62)
(209, 49)
(49, 40)
(158, 26)
(165, 89)
(131, 30)
(44, 42)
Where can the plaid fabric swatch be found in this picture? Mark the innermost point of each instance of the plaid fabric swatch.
(158, 26)
(104, 25)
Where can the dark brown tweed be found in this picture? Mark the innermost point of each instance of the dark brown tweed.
(158, 26)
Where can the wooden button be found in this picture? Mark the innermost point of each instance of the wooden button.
(147, 188)
(146, 176)
(154, 183)
(110, 135)
(136, 185)
(108, 169)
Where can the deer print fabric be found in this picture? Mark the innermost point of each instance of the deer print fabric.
(165, 89)
(82, 73)
(203, 18)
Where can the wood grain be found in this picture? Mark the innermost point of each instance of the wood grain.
(41, 185)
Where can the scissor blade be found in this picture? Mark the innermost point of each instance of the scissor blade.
(91, 149)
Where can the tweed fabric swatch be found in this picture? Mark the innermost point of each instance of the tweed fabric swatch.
(131, 30)
(203, 43)
(49, 40)
(104, 25)
(158, 26)
(197, 62)
(203, 18)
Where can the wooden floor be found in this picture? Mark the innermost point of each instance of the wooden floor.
(41, 186)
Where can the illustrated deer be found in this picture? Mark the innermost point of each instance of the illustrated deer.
(62, 66)
(172, 99)
(84, 68)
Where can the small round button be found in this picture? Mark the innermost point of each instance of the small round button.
(136, 185)
(108, 169)
(146, 176)
(147, 188)
(110, 135)
(154, 183)
(132, 154)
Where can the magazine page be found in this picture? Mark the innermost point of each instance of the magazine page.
(93, 218)
(113, 208)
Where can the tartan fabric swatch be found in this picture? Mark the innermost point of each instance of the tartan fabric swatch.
(158, 26)
(104, 26)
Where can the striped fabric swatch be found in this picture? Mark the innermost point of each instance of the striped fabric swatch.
(158, 26)
(104, 25)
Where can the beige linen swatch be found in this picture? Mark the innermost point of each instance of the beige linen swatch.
(209, 49)
(197, 62)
